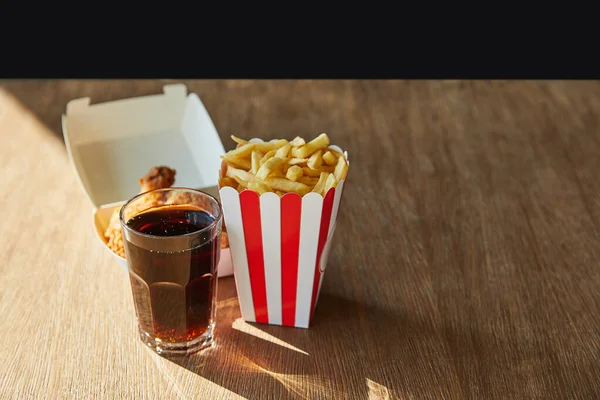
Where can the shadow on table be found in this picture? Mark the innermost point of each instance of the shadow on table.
(350, 351)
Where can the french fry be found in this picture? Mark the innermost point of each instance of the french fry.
(285, 185)
(297, 161)
(283, 151)
(297, 142)
(341, 169)
(280, 193)
(268, 155)
(238, 140)
(255, 162)
(311, 172)
(268, 146)
(227, 181)
(293, 173)
(239, 173)
(258, 187)
(309, 180)
(321, 183)
(329, 158)
(317, 143)
(317, 172)
(241, 152)
(277, 173)
(329, 183)
(335, 152)
(241, 182)
(268, 167)
(240, 163)
(315, 160)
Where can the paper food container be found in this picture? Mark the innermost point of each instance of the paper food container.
(111, 145)
(279, 248)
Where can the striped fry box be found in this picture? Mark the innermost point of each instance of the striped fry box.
(279, 249)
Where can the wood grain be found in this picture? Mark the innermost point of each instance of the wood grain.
(465, 263)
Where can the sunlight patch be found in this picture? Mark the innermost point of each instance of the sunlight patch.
(240, 325)
(301, 386)
(377, 391)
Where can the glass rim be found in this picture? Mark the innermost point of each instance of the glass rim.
(196, 191)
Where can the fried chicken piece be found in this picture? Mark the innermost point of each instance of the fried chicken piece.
(224, 240)
(113, 234)
(157, 178)
(161, 177)
(186, 198)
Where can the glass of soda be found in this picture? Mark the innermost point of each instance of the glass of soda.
(172, 240)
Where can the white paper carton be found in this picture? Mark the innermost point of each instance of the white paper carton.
(113, 144)
(280, 247)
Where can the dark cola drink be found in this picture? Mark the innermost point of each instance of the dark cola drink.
(172, 256)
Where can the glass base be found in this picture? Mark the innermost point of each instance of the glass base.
(182, 348)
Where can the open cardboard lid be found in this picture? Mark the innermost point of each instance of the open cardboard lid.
(113, 144)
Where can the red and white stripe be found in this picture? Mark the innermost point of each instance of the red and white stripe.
(279, 248)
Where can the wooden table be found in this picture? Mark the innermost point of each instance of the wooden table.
(466, 262)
